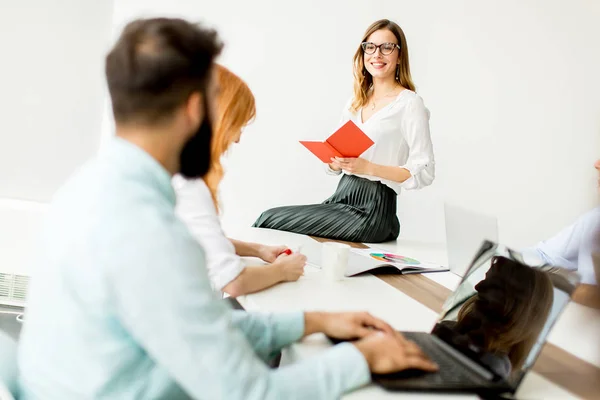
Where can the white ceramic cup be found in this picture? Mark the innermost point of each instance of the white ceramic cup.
(335, 260)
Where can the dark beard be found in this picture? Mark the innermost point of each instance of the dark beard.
(194, 159)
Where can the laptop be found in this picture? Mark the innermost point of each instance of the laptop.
(465, 229)
(492, 327)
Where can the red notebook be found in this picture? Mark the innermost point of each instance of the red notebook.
(348, 142)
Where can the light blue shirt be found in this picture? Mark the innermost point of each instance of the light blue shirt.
(121, 307)
(573, 247)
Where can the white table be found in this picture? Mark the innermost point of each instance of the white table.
(370, 293)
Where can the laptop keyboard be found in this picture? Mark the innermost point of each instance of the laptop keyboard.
(450, 373)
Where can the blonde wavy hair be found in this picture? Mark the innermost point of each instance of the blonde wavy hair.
(236, 108)
(363, 81)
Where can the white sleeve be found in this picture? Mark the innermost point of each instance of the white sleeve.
(421, 161)
(562, 250)
(329, 171)
(197, 211)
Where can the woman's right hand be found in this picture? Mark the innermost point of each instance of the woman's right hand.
(335, 165)
(292, 266)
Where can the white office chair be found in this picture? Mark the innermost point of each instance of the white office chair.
(8, 367)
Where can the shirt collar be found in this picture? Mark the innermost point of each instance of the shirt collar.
(137, 164)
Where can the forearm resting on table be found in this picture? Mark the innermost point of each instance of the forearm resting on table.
(253, 279)
(246, 249)
(390, 173)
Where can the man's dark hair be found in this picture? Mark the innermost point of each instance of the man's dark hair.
(156, 65)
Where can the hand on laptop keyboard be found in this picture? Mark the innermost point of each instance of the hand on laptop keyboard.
(387, 353)
(353, 325)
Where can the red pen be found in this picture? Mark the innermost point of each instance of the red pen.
(286, 251)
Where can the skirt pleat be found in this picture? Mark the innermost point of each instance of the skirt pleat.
(360, 210)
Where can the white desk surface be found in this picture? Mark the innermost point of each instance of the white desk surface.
(372, 294)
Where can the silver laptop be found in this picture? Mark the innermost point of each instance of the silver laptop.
(491, 329)
(465, 229)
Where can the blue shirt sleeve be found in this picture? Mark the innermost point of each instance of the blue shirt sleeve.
(269, 333)
(562, 249)
(164, 299)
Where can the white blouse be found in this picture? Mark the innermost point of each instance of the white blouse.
(400, 131)
(197, 210)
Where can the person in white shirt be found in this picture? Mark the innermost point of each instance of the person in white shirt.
(197, 205)
(573, 247)
(386, 107)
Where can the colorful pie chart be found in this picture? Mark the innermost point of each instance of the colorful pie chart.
(388, 257)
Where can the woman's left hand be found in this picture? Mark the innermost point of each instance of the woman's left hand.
(353, 165)
(345, 325)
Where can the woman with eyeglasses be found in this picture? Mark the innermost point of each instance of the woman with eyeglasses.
(386, 107)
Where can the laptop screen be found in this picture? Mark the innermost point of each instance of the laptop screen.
(502, 311)
(465, 230)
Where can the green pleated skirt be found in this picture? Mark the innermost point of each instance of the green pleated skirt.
(360, 210)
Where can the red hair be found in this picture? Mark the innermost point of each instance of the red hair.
(236, 107)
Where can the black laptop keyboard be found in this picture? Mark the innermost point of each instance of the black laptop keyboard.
(450, 372)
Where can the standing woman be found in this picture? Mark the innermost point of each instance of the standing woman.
(386, 107)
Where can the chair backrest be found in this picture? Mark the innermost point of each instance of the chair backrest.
(8, 367)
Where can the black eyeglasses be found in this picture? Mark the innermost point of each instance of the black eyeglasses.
(384, 48)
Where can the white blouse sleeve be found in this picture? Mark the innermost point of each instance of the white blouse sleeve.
(562, 249)
(420, 162)
(330, 171)
(197, 210)
(343, 119)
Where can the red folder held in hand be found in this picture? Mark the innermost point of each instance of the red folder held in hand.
(348, 142)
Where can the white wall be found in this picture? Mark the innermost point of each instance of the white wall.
(512, 87)
(51, 98)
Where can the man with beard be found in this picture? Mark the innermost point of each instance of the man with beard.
(121, 305)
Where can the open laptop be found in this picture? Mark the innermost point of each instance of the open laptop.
(465, 229)
(492, 327)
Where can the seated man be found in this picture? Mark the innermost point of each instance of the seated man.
(121, 305)
(572, 248)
